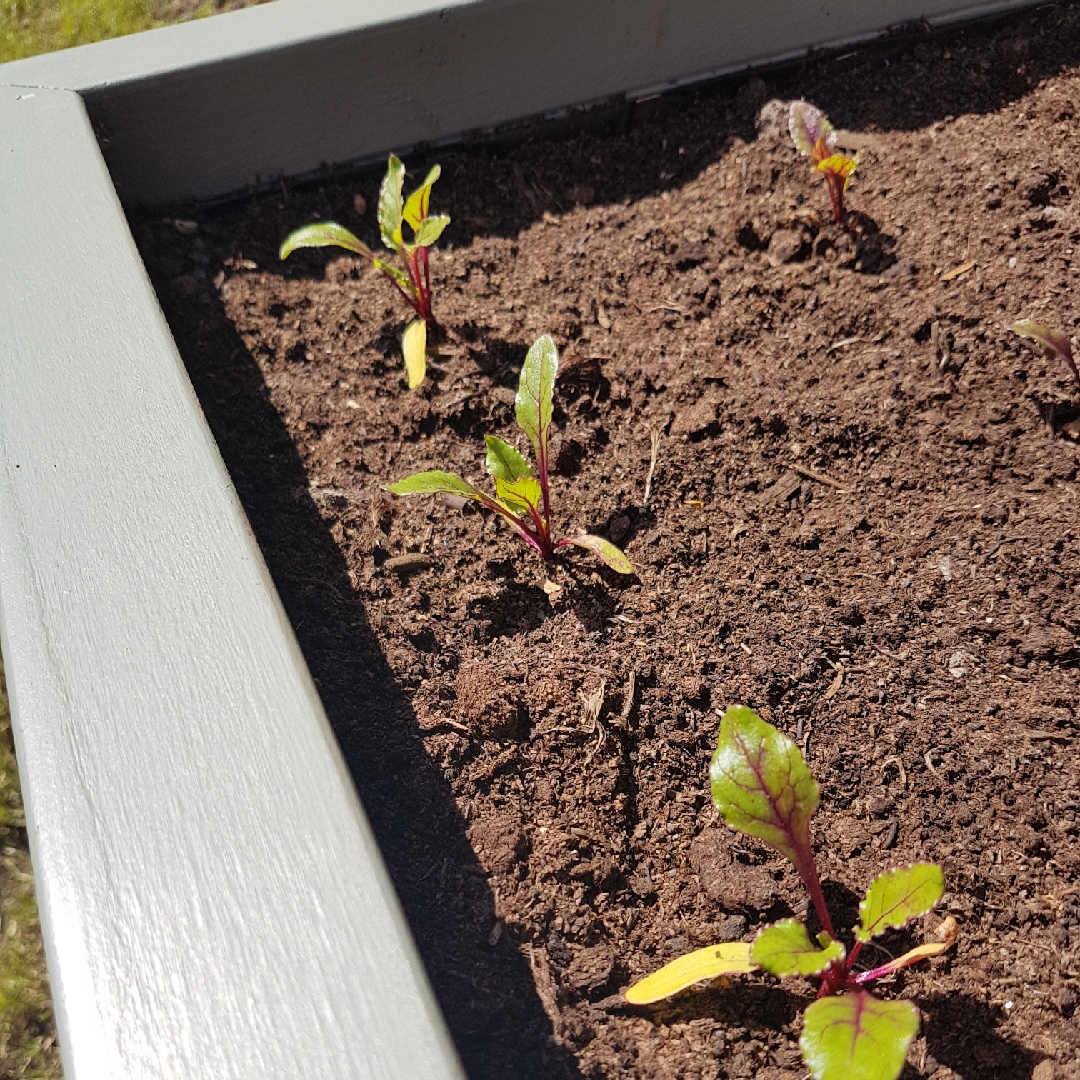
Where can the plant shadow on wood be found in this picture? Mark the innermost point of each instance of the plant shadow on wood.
(486, 991)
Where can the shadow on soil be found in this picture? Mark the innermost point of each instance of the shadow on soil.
(962, 1032)
(487, 993)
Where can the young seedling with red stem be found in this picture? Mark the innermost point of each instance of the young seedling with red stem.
(414, 282)
(522, 497)
(815, 138)
(762, 787)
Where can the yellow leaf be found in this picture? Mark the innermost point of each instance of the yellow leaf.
(414, 345)
(839, 164)
(730, 958)
(922, 952)
(946, 934)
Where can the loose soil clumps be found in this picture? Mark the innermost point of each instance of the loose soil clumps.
(863, 522)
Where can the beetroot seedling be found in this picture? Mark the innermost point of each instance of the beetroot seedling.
(762, 787)
(1053, 343)
(414, 281)
(814, 137)
(522, 497)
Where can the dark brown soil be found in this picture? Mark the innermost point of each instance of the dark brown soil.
(864, 523)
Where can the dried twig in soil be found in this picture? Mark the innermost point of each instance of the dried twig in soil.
(546, 989)
(434, 724)
(593, 703)
(843, 343)
(894, 759)
(834, 686)
(821, 478)
(956, 271)
(942, 348)
(623, 720)
(654, 454)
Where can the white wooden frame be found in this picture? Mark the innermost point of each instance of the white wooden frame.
(213, 902)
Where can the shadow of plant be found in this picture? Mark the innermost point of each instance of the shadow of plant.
(516, 608)
(962, 1032)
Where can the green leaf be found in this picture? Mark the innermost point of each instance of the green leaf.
(762, 786)
(857, 1037)
(414, 348)
(785, 948)
(522, 494)
(435, 482)
(390, 208)
(504, 461)
(324, 234)
(535, 388)
(416, 208)
(430, 230)
(605, 549)
(395, 273)
(898, 896)
(729, 958)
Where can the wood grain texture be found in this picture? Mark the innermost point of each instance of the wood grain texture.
(212, 106)
(213, 901)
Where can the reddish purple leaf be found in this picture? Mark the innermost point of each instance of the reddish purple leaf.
(1053, 342)
(807, 124)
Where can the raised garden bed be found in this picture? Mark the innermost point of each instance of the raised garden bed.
(863, 523)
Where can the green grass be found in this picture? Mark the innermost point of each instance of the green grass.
(27, 1037)
(29, 27)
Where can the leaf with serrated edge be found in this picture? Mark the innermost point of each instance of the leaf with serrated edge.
(1052, 341)
(898, 896)
(605, 549)
(390, 208)
(521, 494)
(503, 460)
(807, 124)
(785, 948)
(414, 347)
(857, 1036)
(324, 234)
(762, 786)
(434, 482)
(430, 230)
(532, 406)
(416, 206)
(730, 958)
